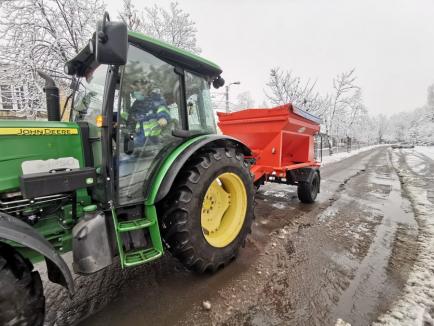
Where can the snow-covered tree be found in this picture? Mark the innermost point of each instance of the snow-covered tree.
(172, 25)
(364, 129)
(244, 101)
(344, 106)
(284, 87)
(131, 16)
(429, 108)
(343, 114)
(419, 126)
(47, 33)
(264, 104)
(345, 93)
(415, 126)
(381, 126)
(43, 34)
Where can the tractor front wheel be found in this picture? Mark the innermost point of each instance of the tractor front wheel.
(209, 212)
(22, 300)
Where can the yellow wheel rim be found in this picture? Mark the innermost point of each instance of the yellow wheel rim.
(223, 210)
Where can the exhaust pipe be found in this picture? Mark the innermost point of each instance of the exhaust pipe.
(52, 95)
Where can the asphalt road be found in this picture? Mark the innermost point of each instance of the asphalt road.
(344, 259)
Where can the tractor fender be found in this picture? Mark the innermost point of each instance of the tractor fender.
(13, 229)
(215, 140)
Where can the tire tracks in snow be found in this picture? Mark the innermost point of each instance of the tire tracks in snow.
(416, 305)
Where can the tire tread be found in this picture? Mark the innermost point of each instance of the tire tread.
(182, 241)
(24, 290)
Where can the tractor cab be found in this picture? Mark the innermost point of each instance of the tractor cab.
(161, 97)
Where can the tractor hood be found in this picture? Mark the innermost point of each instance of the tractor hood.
(22, 141)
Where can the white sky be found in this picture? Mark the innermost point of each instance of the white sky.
(389, 42)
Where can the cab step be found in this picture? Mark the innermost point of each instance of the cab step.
(138, 257)
(141, 223)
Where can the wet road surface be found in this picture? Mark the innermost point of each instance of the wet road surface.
(344, 258)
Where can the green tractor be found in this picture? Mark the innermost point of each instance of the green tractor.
(138, 168)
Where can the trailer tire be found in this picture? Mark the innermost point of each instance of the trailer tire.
(190, 210)
(22, 301)
(307, 191)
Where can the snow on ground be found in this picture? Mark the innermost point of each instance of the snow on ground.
(341, 156)
(329, 213)
(415, 163)
(416, 303)
(426, 150)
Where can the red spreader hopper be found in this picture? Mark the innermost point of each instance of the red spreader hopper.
(281, 139)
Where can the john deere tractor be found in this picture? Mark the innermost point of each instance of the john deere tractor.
(137, 169)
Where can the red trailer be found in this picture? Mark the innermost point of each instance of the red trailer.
(282, 143)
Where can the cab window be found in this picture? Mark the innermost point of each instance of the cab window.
(149, 111)
(199, 108)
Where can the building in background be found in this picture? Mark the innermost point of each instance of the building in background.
(19, 101)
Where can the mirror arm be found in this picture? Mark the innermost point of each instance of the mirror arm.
(102, 36)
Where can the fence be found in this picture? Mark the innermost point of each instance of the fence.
(321, 145)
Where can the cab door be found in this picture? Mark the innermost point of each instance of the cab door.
(149, 109)
(87, 109)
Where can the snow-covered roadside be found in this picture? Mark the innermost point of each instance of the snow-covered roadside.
(426, 150)
(341, 156)
(417, 301)
(416, 163)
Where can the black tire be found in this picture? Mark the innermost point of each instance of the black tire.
(308, 191)
(22, 301)
(181, 210)
(258, 183)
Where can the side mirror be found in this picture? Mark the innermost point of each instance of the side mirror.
(111, 42)
(128, 144)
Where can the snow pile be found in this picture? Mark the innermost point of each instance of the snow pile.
(341, 322)
(417, 300)
(341, 156)
(426, 150)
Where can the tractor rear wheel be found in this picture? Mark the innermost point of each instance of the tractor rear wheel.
(22, 301)
(307, 191)
(209, 212)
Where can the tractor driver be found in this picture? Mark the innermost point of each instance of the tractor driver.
(149, 113)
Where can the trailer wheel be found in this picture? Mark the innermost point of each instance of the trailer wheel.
(307, 191)
(22, 301)
(209, 212)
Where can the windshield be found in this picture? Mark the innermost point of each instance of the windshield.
(88, 98)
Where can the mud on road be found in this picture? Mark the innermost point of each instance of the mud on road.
(346, 258)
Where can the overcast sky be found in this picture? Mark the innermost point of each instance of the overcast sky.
(390, 43)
